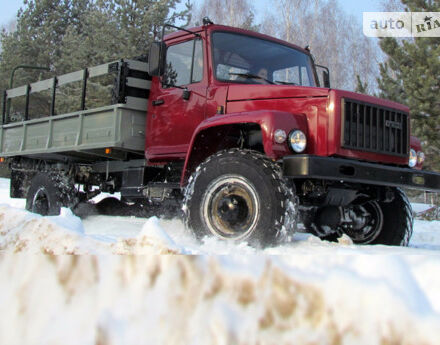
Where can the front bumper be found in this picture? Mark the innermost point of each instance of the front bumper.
(347, 170)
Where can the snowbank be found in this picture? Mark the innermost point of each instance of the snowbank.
(305, 292)
(302, 299)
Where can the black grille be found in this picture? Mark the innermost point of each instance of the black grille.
(368, 127)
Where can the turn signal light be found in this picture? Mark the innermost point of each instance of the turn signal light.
(2, 159)
(420, 157)
(280, 136)
(108, 151)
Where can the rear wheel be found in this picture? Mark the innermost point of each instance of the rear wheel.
(48, 193)
(240, 195)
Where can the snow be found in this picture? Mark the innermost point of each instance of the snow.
(420, 208)
(306, 291)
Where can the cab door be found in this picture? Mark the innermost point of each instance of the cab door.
(177, 101)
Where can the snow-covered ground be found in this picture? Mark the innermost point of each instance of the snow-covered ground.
(305, 292)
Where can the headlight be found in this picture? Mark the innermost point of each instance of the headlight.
(279, 136)
(420, 157)
(297, 141)
(412, 158)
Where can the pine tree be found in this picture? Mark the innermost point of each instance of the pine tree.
(37, 40)
(360, 86)
(411, 76)
(139, 22)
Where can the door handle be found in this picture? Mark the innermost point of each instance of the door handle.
(158, 102)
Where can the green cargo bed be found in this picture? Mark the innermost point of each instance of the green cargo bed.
(115, 131)
(83, 134)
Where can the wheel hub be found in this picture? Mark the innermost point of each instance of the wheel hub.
(40, 203)
(231, 208)
(363, 223)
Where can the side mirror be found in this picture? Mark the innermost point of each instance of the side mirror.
(156, 65)
(325, 76)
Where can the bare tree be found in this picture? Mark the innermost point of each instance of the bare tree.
(392, 6)
(335, 38)
(10, 26)
(238, 13)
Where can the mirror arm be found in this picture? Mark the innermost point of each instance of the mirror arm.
(326, 73)
(324, 67)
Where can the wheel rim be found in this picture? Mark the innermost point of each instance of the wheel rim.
(367, 222)
(40, 202)
(230, 208)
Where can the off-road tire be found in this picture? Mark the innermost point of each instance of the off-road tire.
(398, 221)
(272, 215)
(53, 191)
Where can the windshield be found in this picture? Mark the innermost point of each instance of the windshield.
(249, 60)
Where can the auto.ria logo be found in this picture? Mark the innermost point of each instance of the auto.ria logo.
(401, 24)
(429, 24)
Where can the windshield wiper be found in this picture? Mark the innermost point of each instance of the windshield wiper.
(251, 76)
(285, 82)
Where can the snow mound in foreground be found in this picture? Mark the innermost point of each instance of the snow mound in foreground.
(321, 293)
(216, 300)
(21, 231)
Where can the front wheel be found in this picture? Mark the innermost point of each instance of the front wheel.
(389, 223)
(240, 195)
(398, 221)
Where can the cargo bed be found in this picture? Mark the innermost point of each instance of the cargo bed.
(83, 135)
(114, 131)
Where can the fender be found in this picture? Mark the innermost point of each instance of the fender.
(206, 139)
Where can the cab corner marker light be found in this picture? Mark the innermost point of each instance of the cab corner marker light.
(108, 151)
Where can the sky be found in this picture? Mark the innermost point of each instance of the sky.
(9, 8)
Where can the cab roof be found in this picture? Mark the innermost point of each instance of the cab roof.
(216, 27)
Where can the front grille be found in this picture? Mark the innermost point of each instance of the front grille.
(372, 128)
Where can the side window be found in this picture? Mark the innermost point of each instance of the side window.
(180, 63)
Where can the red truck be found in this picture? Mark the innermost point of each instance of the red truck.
(235, 128)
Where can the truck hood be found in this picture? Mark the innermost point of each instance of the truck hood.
(241, 92)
